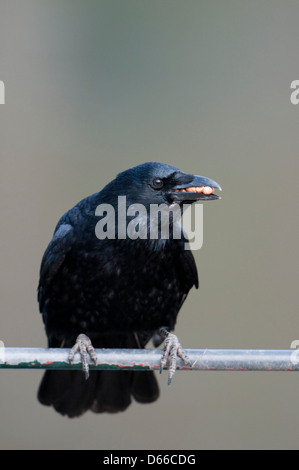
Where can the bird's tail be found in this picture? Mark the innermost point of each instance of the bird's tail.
(104, 391)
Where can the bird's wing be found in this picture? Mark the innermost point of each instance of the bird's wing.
(54, 257)
(187, 270)
(188, 277)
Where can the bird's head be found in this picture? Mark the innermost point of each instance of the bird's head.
(157, 183)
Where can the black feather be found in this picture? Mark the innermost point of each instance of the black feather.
(118, 292)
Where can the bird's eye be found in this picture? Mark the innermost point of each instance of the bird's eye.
(157, 183)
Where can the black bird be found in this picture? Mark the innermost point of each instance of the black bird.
(104, 284)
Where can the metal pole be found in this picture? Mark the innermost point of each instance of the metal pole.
(149, 359)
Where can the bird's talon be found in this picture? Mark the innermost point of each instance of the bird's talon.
(84, 347)
(172, 350)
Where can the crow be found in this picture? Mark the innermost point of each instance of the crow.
(111, 279)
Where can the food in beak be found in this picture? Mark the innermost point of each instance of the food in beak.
(197, 189)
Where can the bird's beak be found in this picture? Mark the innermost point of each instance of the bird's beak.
(199, 189)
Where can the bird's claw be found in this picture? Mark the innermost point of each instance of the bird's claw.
(172, 349)
(85, 348)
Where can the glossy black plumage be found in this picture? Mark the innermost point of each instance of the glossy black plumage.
(118, 292)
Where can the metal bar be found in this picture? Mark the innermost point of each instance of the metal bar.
(149, 359)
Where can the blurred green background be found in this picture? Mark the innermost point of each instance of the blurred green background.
(96, 86)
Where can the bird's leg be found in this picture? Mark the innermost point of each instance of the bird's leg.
(84, 347)
(172, 349)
